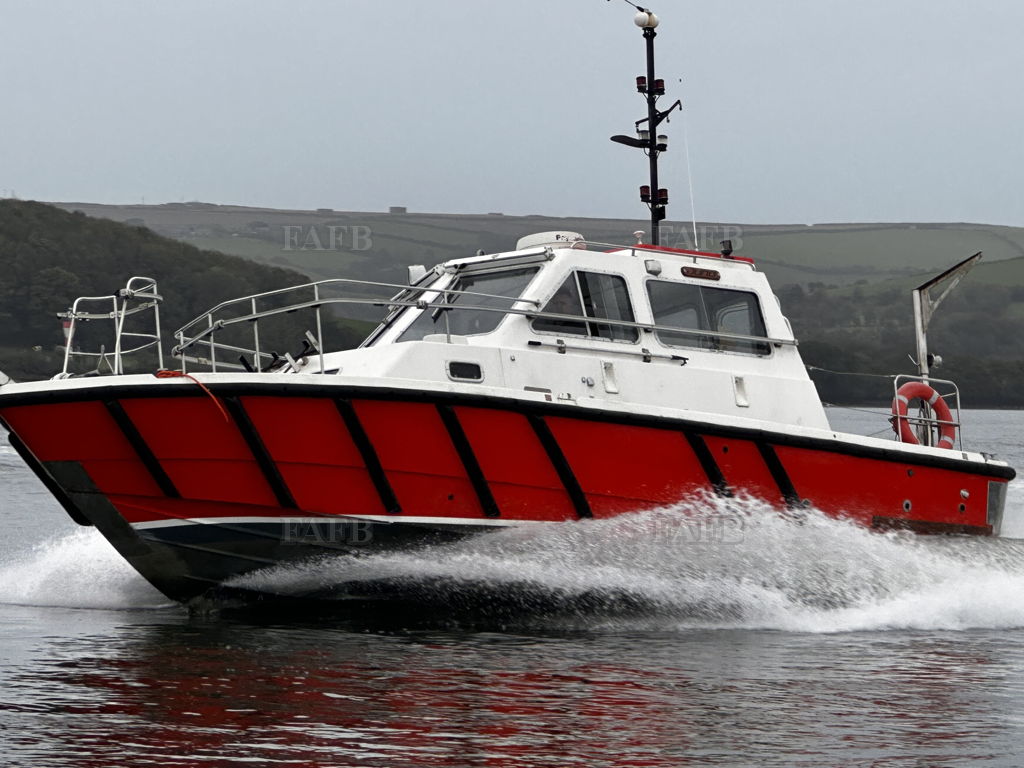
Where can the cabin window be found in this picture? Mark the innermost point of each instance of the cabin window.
(471, 314)
(462, 371)
(709, 310)
(590, 295)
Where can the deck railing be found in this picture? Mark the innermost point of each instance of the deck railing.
(205, 341)
(139, 296)
(197, 341)
(201, 333)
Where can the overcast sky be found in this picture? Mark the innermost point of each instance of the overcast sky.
(797, 110)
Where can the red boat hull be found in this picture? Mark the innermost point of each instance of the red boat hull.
(194, 489)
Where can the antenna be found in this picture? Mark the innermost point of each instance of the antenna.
(689, 181)
(648, 138)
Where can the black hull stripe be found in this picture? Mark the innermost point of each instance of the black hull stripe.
(142, 449)
(258, 562)
(952, 462)
(259, 451)
(469, 461)
(370, 457)
(708, 464)
(47, 480)
(779, 475)
(561, 465)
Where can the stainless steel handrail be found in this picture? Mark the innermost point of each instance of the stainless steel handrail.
(342, 281)
(138, 289)
(651, 251)
(202, 331)
(207, 334)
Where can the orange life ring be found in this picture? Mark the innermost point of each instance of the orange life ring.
(919, 390)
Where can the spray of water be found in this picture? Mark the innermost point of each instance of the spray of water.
(709, 563)
(77, 570)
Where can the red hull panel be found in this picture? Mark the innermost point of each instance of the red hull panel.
(211, 463)
(315, 453)
(456, 466)
(862, 488)
(418, 457)
(623, 468)
(86, 433)
(524, 483)
(744, 468)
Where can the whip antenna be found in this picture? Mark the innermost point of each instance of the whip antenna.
(689, 181)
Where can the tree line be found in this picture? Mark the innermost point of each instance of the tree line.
(861, 335)
(49, 257)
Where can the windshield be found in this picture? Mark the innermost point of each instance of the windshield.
(475, 317)
(415, 291)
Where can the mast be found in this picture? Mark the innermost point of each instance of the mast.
(648, 138)
(657, 208)
(927, 298)
(926, 302)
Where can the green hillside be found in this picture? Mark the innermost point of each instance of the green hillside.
(845, 287)
(48, 257)
(835, 254)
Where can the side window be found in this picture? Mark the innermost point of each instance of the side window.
(710, 310)
(566, 301)
(605, 296)
(590, 295)
(472, 314)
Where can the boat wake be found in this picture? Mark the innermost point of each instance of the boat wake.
(712, 564)
(707, 564)
(78, 570)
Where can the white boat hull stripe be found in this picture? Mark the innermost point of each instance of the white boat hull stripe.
(284, 520)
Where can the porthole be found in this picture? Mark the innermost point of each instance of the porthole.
(462, 371)
(907, 506)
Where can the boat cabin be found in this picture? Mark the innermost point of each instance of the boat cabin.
(576, 321)
(638, 328)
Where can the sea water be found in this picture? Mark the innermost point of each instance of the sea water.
(709, 633)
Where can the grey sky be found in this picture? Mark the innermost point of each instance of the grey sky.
(797, 110)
